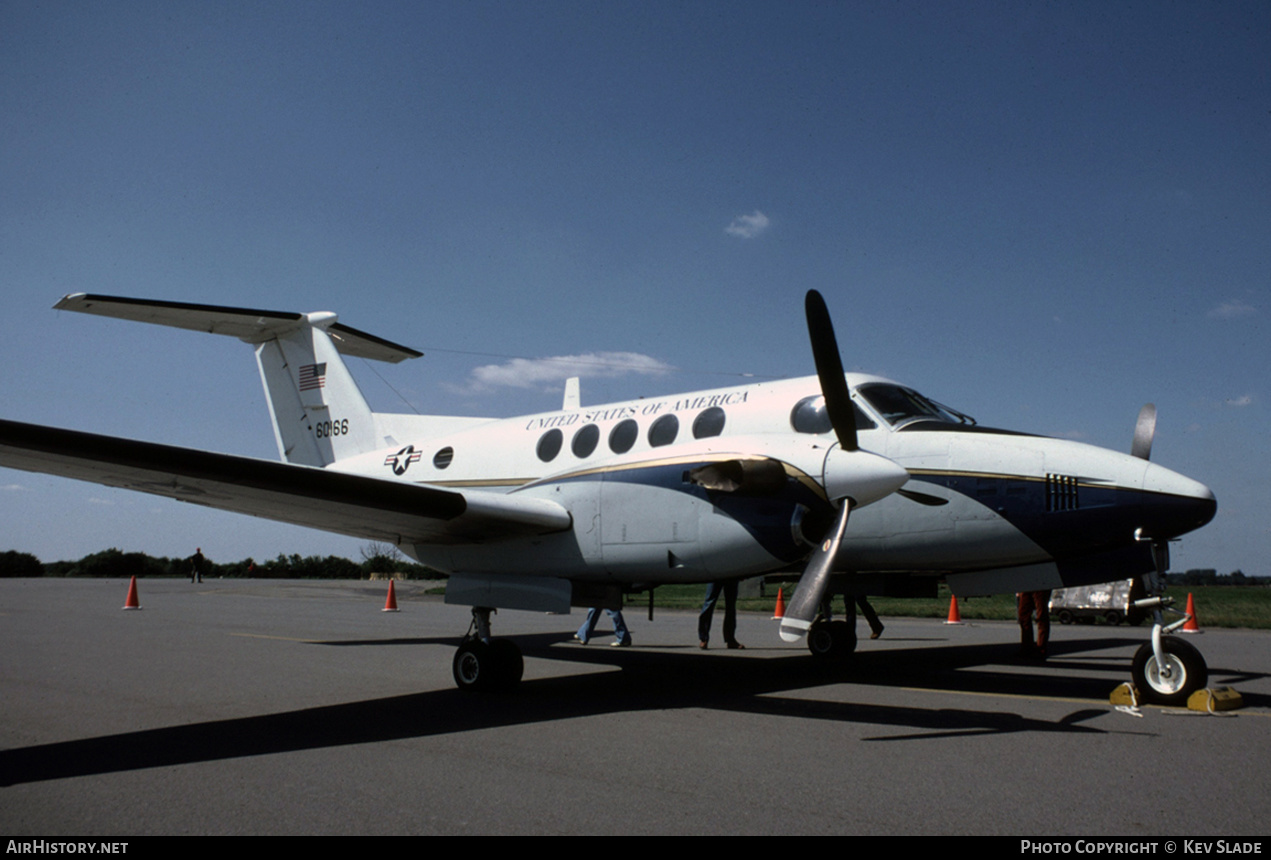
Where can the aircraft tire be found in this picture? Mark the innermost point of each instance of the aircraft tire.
(474, 666)
(494, 666)
(831, 640)
(1188, 672)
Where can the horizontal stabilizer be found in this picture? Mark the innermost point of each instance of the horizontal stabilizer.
(364, 507)
(247, 324)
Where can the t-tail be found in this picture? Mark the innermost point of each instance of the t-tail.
(319, 415)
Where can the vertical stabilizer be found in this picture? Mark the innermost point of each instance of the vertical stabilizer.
(319, 415)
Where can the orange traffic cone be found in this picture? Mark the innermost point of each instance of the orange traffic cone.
(390, 605)
(780, 611)
(1191, 626)
(132, 602)
(955, 617)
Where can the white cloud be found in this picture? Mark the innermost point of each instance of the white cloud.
(748, 226)
(13, 487)
(1246, 400)
(551, 371)
(1232, 309)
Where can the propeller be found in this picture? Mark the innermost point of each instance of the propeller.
(1144, 432)
(852, 477)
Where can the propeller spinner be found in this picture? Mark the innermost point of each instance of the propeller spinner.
(852, 477)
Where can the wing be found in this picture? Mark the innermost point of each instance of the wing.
(356, 505)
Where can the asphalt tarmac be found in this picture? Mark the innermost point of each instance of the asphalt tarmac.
(275, 707)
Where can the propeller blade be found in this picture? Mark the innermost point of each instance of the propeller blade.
(829, 370)
(922, 498)
(806, 602)
(1144, 432)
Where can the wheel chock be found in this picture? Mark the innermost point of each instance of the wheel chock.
(1125, 694)
(1215, 699)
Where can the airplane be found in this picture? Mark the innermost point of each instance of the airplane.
(577, 506)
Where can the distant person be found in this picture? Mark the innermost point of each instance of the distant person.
(196, 565)
(875, 626)
(713, 591)
(1034, 603)
(621, 633)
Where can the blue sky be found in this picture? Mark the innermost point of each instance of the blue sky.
(1044, 215)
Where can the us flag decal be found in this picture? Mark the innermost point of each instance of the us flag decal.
(313, 376)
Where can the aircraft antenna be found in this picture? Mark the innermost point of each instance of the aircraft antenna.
(391, 388)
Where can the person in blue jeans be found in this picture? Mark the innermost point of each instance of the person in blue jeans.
(713, 591)
(620, 631)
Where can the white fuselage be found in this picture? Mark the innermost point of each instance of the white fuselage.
(994, 499)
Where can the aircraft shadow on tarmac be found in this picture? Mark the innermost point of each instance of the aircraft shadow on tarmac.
(650, 679)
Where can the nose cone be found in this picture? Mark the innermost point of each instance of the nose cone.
(1174, 504)
(863, 476)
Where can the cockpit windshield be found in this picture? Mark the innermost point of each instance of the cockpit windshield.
(899, 405)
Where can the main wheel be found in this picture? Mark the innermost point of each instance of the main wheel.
(496, 666)
(473, 665)
(831, 639)
(1184, 672)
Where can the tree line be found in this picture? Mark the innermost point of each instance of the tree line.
(376, 559)
(1209, 576)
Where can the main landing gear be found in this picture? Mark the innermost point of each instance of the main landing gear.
(831, 640)
(486, 663)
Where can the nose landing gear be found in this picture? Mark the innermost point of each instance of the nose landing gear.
(1167, 670)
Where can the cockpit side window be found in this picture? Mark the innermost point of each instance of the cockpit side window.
(899, 405)
(809, 416)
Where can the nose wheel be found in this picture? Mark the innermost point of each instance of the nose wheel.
(1171, 678)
